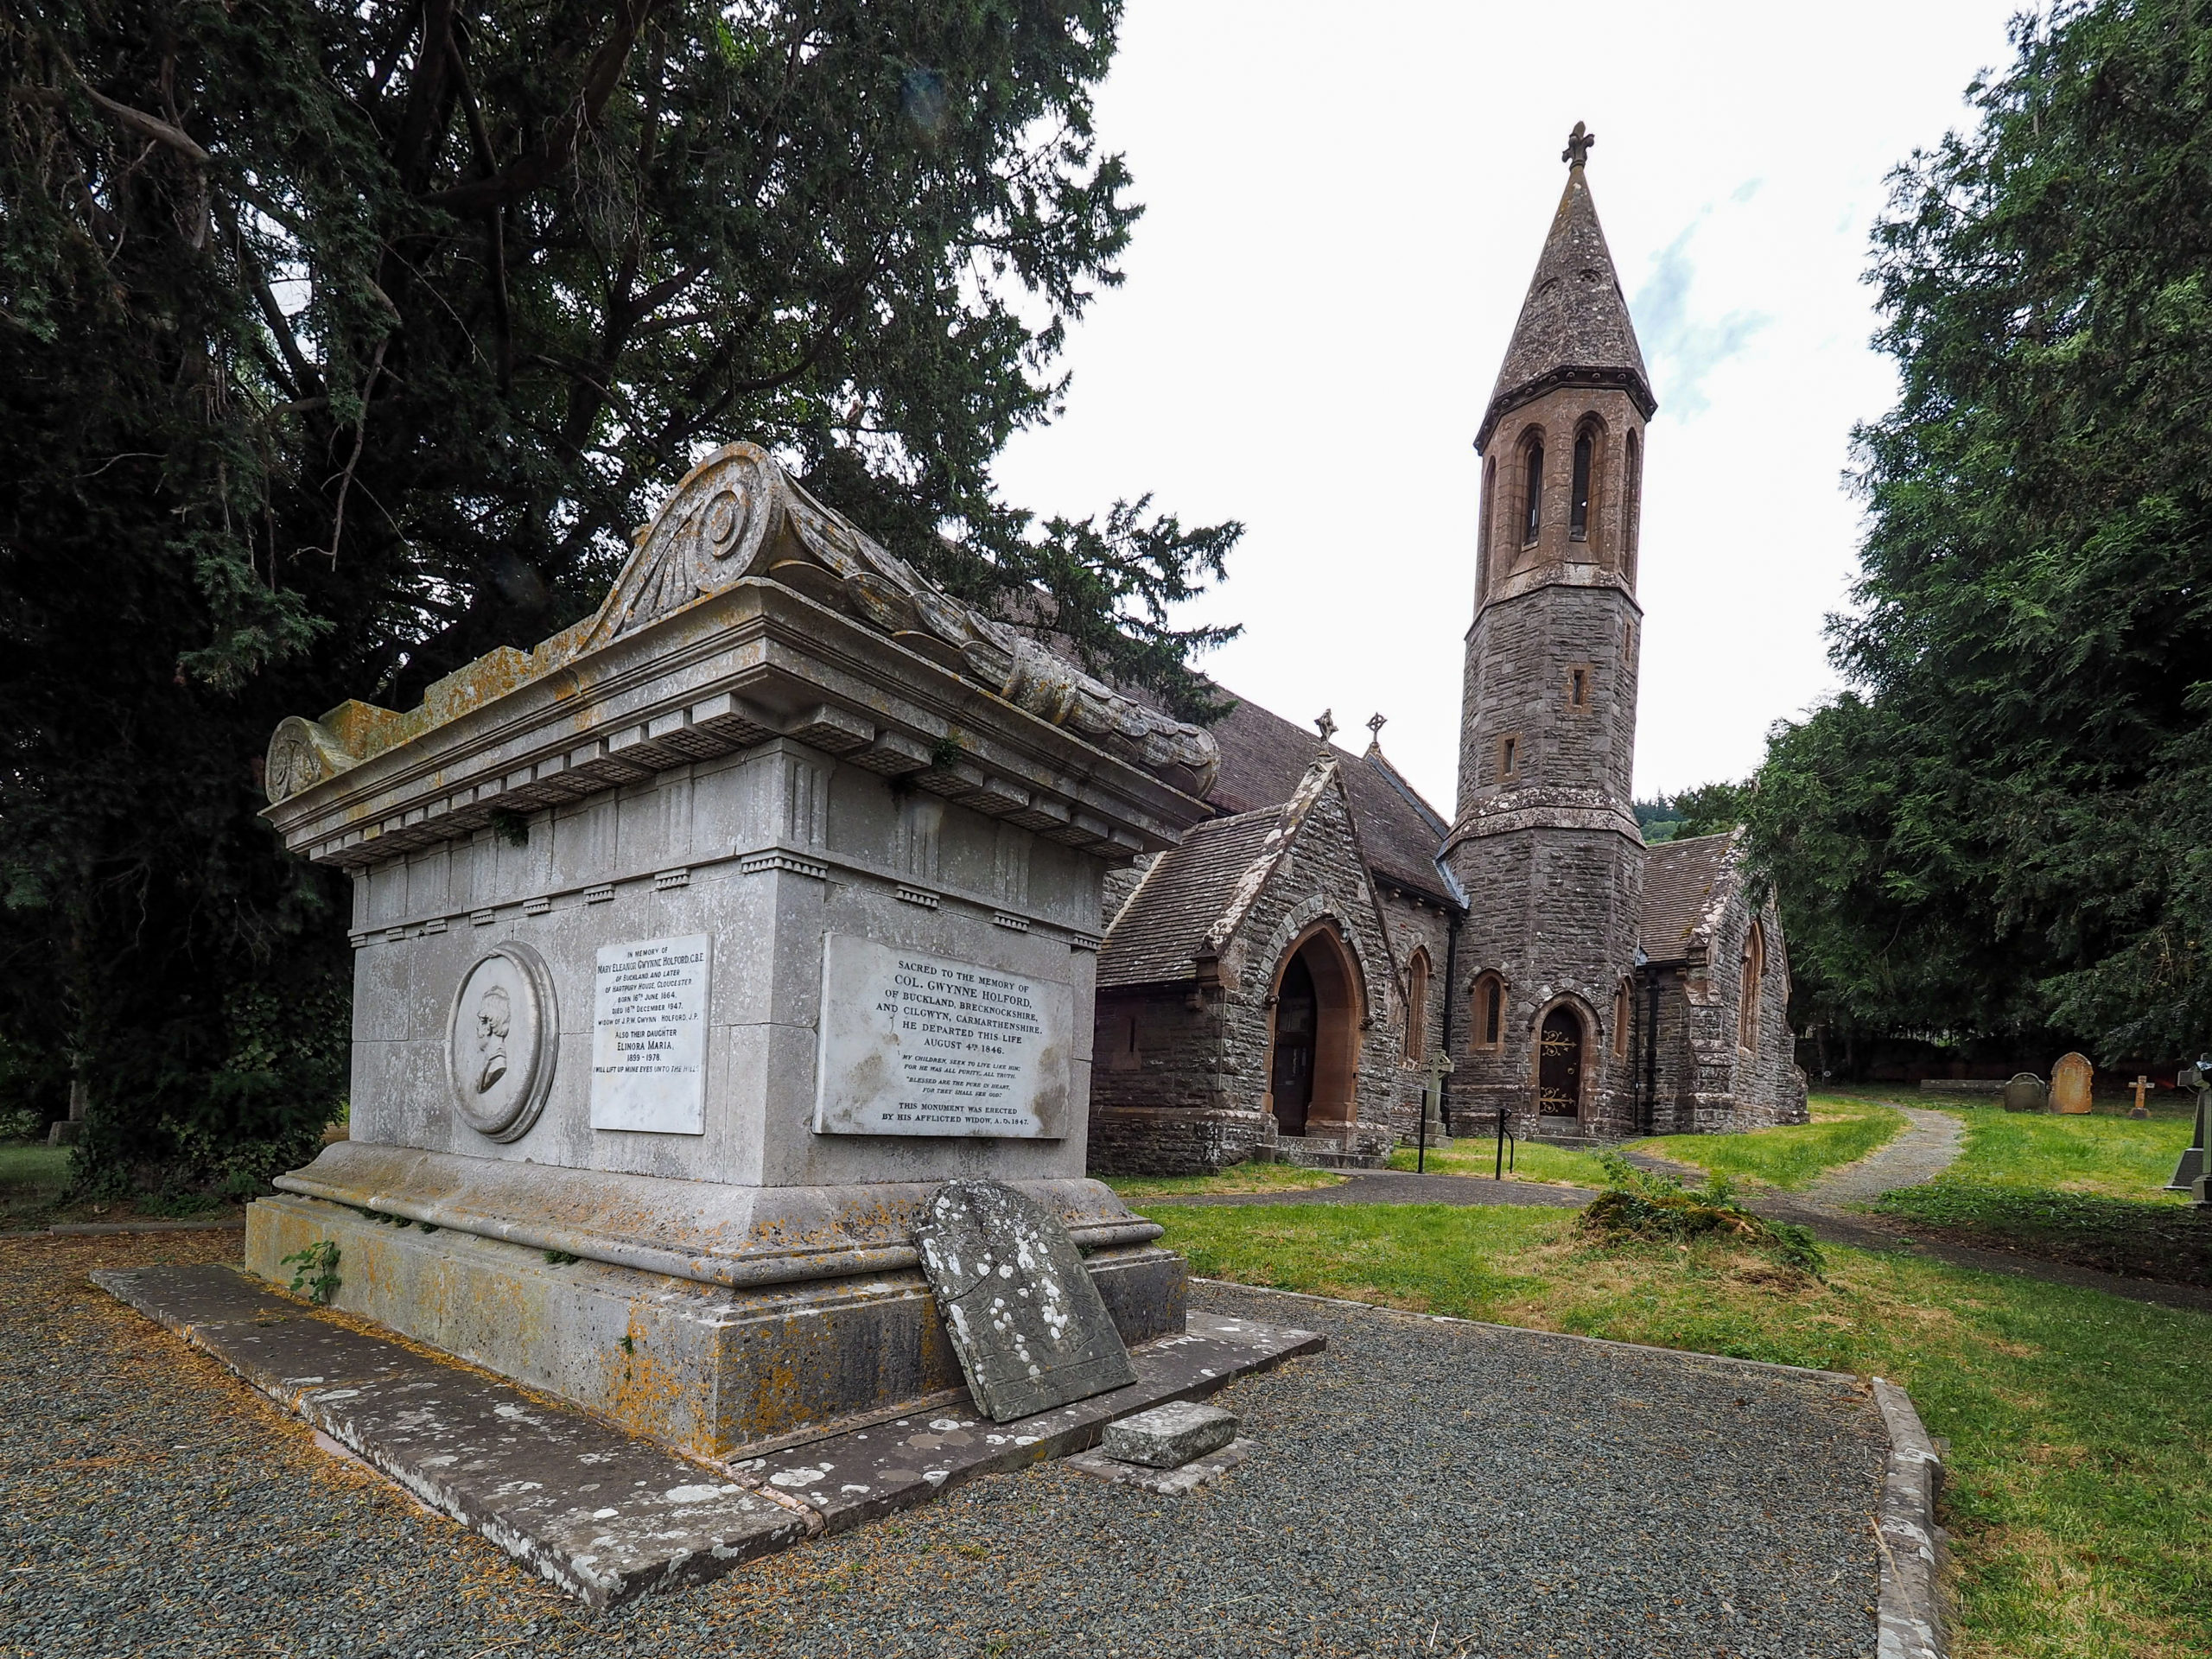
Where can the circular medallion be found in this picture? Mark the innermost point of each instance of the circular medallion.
(499, 1042)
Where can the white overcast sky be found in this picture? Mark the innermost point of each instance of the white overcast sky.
(1344, 206)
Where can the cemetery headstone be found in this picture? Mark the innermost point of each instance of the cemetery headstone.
(2141, 1085)
(2191, 1168)
(1028, 1324)
(697, 947)
(2024, 1093)
(2071, 1081)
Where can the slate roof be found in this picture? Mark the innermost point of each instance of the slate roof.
(1262, 757)
(1683, 880)
(1574, 327)
(1182, 895)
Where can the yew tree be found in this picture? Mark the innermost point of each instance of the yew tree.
(341, 341)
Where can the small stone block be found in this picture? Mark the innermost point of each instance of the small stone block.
(1169, 1436)
(1167, 1483)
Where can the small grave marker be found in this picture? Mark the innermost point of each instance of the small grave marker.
(2024, 1093)
(2141, 1085)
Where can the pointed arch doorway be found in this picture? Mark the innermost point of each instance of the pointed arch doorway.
(1313, 1043)
(1558, 1064)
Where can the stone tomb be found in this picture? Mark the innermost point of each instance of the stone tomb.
(696, 948)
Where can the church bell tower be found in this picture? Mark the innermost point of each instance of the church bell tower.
(1545, 838)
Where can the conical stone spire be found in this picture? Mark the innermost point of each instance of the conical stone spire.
(1575, 328)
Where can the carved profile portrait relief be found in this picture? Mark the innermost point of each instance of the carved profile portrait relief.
(500, 1042)
(494, 1015)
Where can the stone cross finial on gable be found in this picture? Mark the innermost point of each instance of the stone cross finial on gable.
(1327, 725)
(1376, 723)
(1578, 145)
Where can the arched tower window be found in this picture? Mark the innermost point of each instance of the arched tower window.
(1577, 503)
(1532, 492)
(1747, 1008)
(1488, 512)
(1632, 502)
(1622, 1006)
(1488, 1028)
(1417, 1008)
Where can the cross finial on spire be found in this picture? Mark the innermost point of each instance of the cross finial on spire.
(1578, 145)
(1376, 723)
(1327, 725)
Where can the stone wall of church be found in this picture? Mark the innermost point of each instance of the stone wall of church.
(1553, 911)
(1709, 1082)
(1180, 1073)
(1415, 926)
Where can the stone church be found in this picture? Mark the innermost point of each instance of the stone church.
(1290, 979)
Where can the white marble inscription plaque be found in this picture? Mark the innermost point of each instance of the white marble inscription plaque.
(649, 1037)
(914, 1042)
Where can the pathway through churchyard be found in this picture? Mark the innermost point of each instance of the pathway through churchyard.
(1424, 1487)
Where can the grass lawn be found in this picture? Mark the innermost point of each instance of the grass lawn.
(2085, 1189)
(1844, 1129)
(31, 1179)
(2080, 1498)
(1532, 1161)
(1237, 1178)
(2104, 1151)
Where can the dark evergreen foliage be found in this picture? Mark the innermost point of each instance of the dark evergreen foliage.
(342, 342)
(2002, 826)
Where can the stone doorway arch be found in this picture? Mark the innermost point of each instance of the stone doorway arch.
(1313, 1037)
(1562, 1049)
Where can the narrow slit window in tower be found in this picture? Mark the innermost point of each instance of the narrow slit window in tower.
(1508, 758)
(1578, 512)
(1533, 519)
(1577, 688)
(1632, 502)
(1489, 510)
(1489, 1011)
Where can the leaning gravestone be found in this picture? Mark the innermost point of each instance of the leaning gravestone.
(2024, 1093)
(2071, 1080)
(696, 947)
(1028, 1324)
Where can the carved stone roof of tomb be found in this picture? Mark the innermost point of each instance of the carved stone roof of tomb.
(1687, 886)
(738, 518)
(1573, 327)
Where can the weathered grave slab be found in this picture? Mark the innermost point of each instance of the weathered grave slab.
(2024, 1093)
(1026, 1322)
(1169, 1436)
(609, 1516)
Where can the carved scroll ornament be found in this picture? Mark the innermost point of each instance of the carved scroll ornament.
(738, 514)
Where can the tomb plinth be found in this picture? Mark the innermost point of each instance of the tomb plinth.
(696, 948)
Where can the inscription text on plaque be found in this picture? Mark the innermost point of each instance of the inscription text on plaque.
(915, 1043)
(649, 1037)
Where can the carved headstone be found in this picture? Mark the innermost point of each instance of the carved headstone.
(1025, 1318)
(2024, 1093)
(2069, 1084)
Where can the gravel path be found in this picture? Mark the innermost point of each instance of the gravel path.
(1424, 1487)
(1929, 1146)
(1399, 1187)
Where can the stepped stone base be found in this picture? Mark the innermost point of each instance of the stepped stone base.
(706, 1368)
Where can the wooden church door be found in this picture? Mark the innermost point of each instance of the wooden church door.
(1296, 1010)
(1559, 1066)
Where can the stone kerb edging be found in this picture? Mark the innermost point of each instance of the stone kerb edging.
(1911, 1617)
